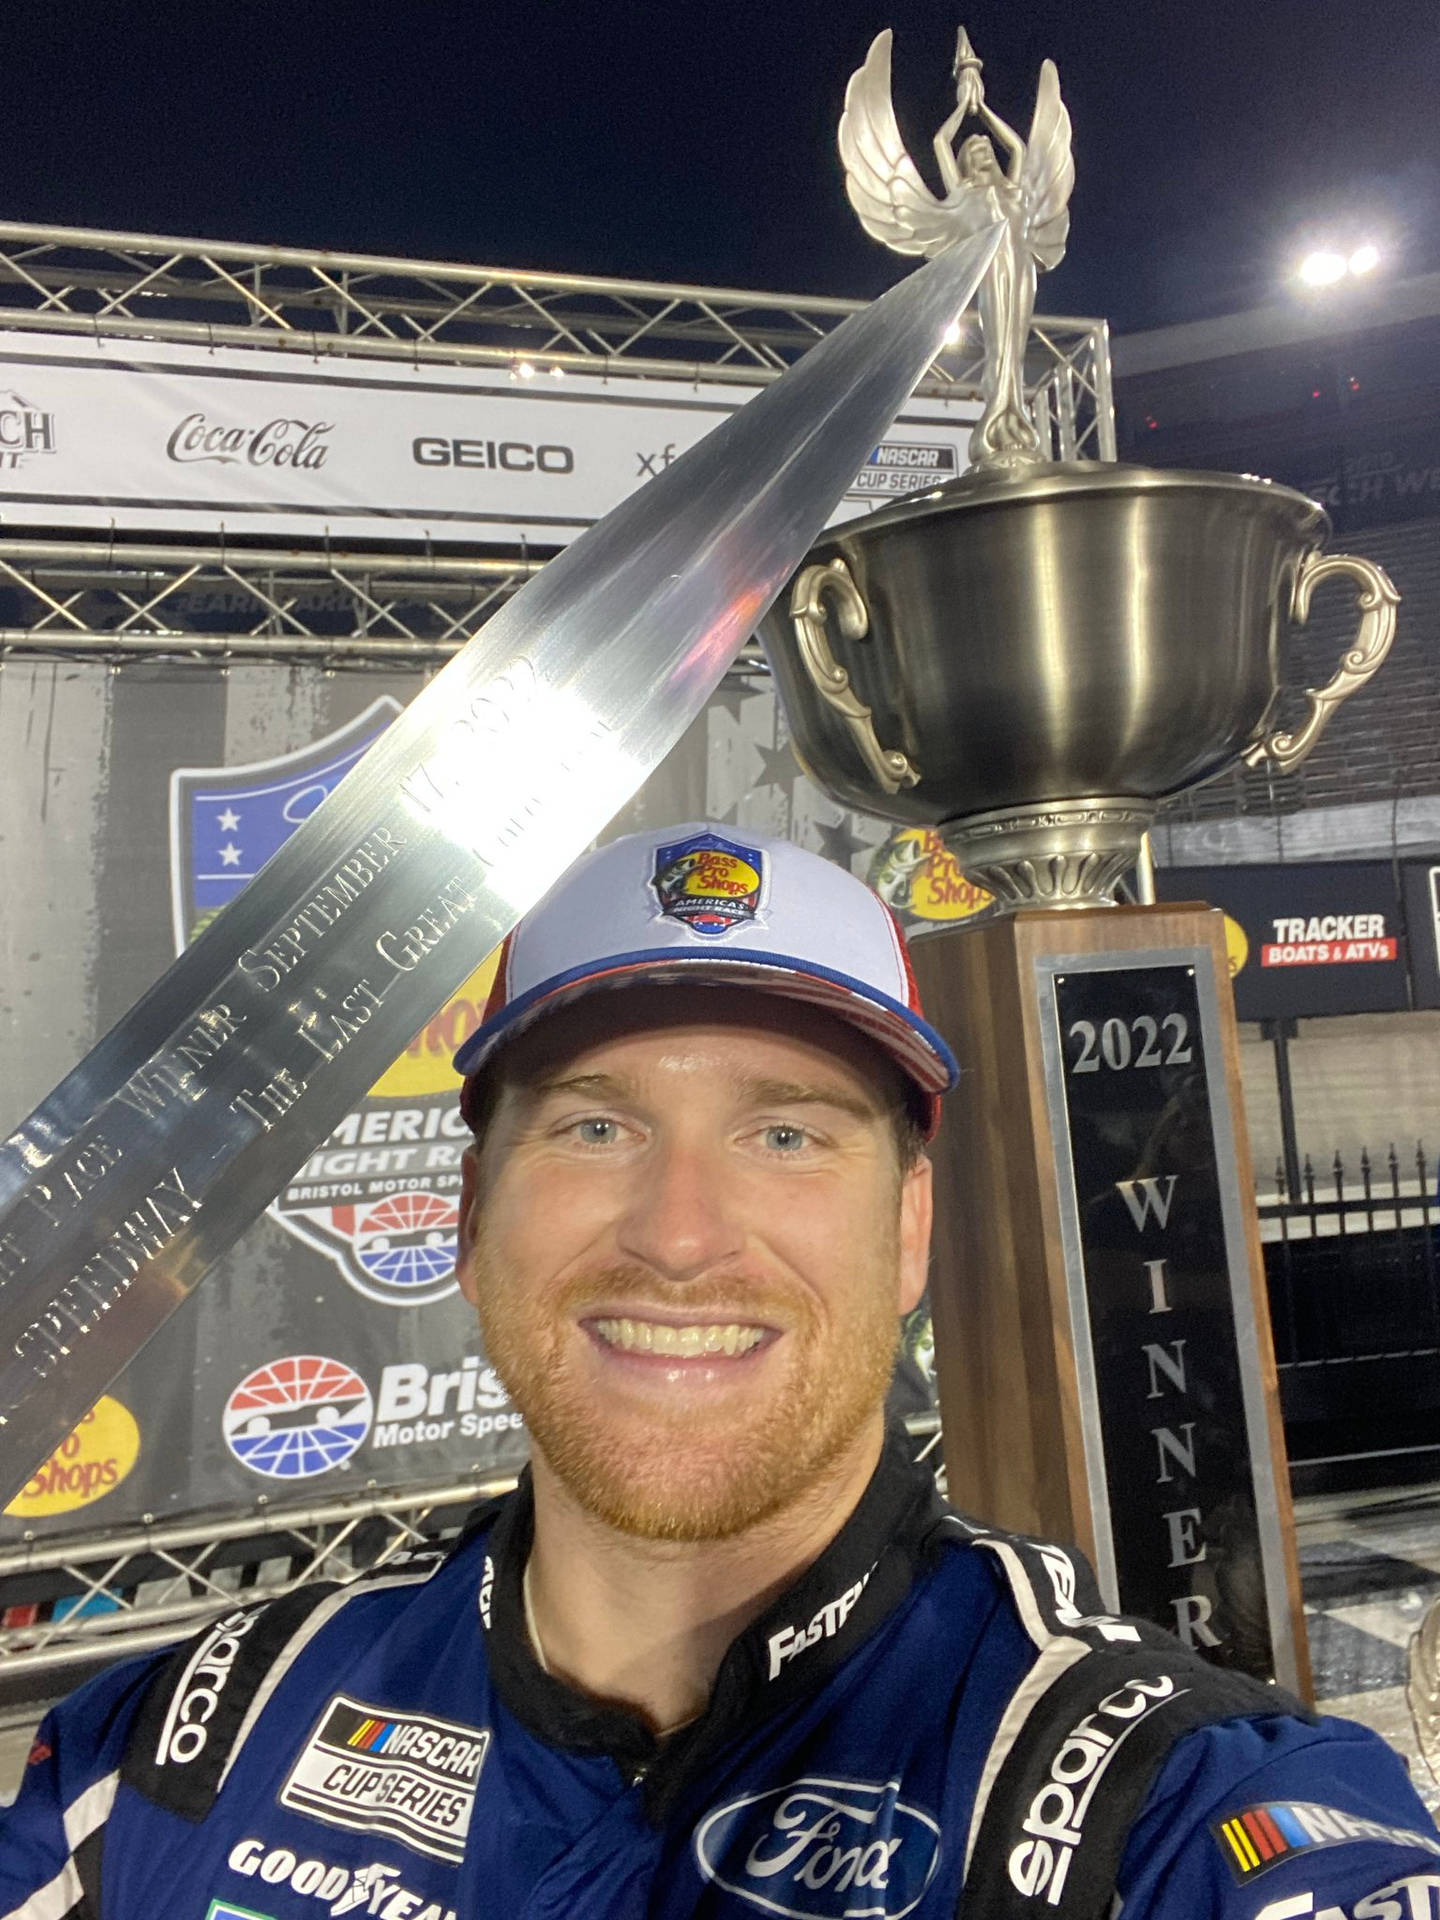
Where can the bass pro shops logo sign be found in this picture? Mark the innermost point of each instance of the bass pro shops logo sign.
(379, 1197)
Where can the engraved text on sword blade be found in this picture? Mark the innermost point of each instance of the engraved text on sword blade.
(150, 1158)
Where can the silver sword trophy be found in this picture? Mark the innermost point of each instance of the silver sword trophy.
(160, 1147)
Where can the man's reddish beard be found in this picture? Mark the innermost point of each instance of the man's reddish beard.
(670, 1478)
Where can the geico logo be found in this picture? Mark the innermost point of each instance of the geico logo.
(193, 1704)
(1056, 1815)
(506, 456)
(790, 1641)
(1414, 1896)
(372, 1889)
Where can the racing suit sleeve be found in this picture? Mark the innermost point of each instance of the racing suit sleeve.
(1280, 1819)
(50, 1840)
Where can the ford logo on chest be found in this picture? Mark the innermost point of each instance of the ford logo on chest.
(818, 1847)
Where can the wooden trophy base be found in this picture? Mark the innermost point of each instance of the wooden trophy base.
(1102, 1340)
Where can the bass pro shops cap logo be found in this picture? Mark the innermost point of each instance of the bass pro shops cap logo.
(822, 1849)
(713, 885)
(297, 1417)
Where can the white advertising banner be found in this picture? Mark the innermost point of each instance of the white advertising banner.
(147, 436)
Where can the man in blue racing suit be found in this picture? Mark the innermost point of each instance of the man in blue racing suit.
(724, 1652)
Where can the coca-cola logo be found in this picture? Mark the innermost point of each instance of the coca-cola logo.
(281, 442)
(822, 1849)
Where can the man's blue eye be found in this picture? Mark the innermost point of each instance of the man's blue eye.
(596, 1133)
(786, 1139)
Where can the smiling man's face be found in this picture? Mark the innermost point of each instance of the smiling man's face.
(689, 1237)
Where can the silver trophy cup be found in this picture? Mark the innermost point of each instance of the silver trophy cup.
(1030, 659)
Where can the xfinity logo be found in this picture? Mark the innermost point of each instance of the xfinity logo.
(278, 443)
(789, 1641)
(820, 1847)
(1056, 1815)
(193, 1703)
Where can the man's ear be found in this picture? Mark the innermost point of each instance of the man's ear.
(469, 1210)
(917, 1212)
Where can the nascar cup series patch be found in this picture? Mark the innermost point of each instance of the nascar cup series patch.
(410, 1776)
(712, 884)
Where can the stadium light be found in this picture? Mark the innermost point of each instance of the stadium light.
(1328, 266)
(1323, 268)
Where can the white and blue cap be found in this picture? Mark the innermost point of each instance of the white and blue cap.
(708, 904)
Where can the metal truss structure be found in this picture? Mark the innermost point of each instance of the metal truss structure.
(72, 1605)
(217, 293)
(188, 600)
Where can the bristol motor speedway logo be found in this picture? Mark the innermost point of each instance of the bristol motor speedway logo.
(305, 1413)
(378, 1197)
(296, 1417)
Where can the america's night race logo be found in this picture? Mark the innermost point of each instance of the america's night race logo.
(379, 1196)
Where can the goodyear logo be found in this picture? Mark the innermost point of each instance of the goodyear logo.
(710, 883)
(1264, 1836)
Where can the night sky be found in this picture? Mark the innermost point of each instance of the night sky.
(696, 142)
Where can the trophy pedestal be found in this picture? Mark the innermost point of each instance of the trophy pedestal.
(1102, 1335)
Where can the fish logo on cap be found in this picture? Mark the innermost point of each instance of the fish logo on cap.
(710, 883)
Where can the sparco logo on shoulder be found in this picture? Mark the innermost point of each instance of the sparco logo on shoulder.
(1056, 1815)
(277, 443)
(193, 1703)
(822, 1848)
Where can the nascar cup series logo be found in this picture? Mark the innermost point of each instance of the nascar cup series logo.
(712, 884)
(297, 1417)
(378, 1198)
(820, 1847)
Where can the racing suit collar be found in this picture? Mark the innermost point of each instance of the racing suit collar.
(785, 1655)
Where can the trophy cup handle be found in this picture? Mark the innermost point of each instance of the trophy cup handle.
(887, 765)
(1377, 601)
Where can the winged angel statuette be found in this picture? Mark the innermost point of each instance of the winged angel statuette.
(1029, 196)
